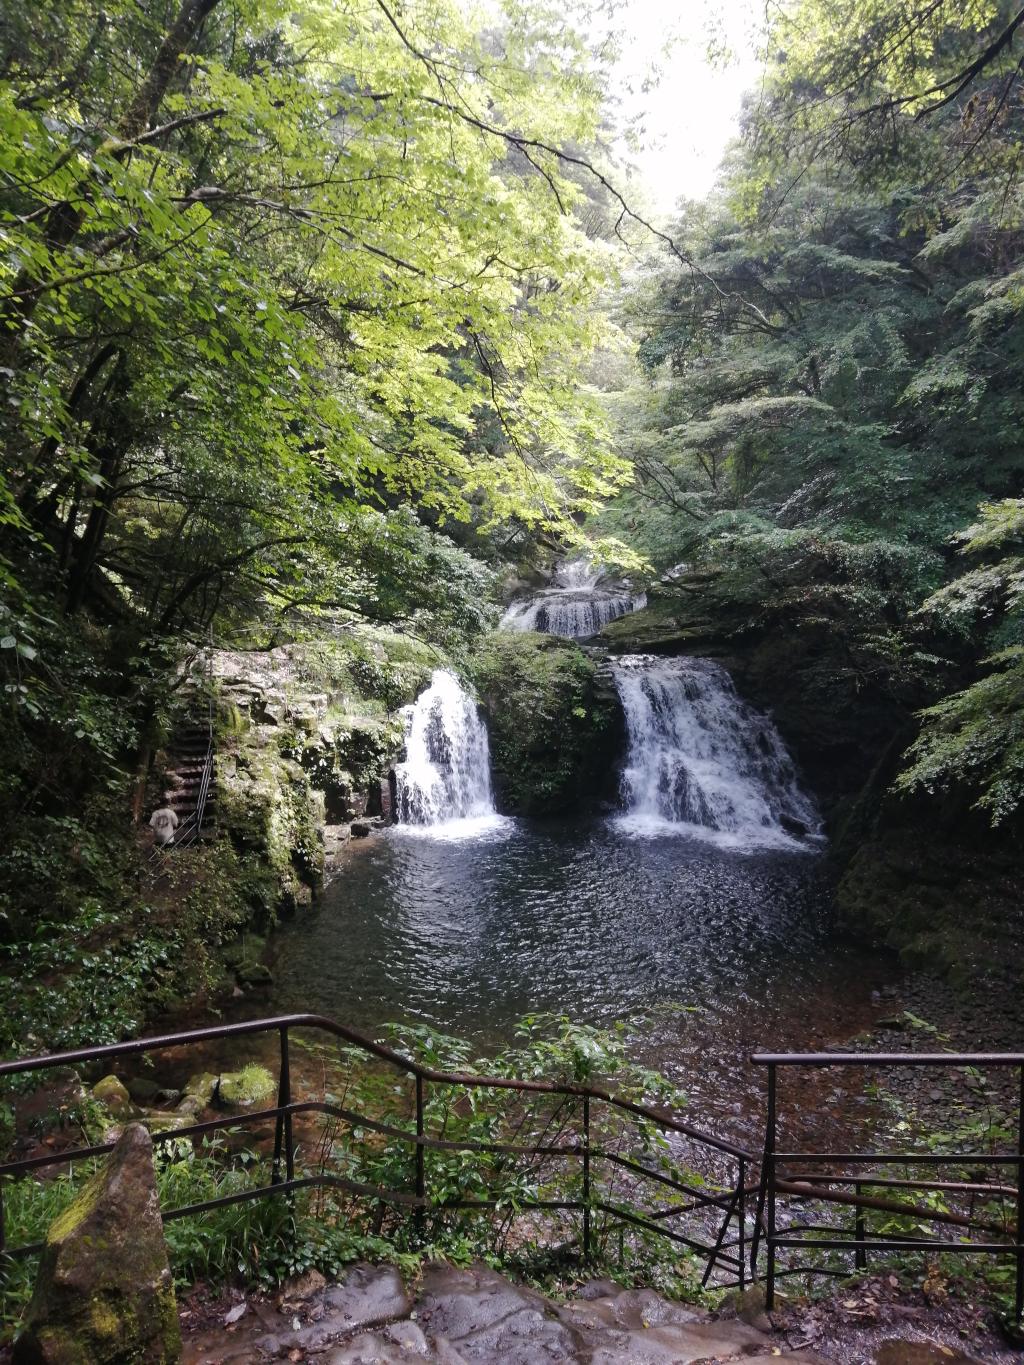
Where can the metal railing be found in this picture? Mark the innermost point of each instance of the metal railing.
(191, 827)
(721, 1201)
(736, 1208)
(784, 1185)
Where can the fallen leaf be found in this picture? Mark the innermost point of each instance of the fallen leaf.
(237, 1312)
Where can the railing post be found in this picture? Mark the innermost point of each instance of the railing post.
(742, 1215)
(768, 1182)
(860, 1256)
(421, 1174)
(1019, 1295)
(283, 1130)
(586, 1178)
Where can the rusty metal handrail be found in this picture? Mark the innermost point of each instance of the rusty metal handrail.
(777, 1176)
(731, 1204)
(380, 1050)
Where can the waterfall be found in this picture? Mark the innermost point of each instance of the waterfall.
(701, 761)
(446, 775)
(574, 605)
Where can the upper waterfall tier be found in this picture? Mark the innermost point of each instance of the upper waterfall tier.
(702, 761)
(574, 605)
(446, 775)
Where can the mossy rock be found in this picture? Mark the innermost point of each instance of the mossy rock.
(201, 1087)
(113, 1095)
(251, 1086)
(104, 1293)
(555, 723)
(254, 974)
(143, 1089)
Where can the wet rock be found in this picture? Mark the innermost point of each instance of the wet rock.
(143, 1090)
(113, 1095)
(643, 1328)
(201, 1087)
(361, 828)
(303, 1287)
(104, 1293)
(598, 1289)
(189, 1108)
(368, 1296)
(486, 1317)
(393, 1345)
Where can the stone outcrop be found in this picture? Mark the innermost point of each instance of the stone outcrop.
(104, 1293)
(554, 721)
(307, 739)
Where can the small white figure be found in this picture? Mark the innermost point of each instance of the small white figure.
(163, 823)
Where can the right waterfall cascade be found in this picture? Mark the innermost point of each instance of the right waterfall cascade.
(701, 761)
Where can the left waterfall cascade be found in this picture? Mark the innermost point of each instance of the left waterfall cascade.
(444, 783)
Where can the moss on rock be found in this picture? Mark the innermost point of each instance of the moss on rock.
(104, 1293)
(555, 723)
(114, 1096)
(245, 1088)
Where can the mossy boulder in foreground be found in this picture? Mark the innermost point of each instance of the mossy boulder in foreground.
(104, 1292)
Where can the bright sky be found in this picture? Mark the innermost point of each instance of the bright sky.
(690, 115)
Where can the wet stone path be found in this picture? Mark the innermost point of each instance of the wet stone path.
(477, 1317)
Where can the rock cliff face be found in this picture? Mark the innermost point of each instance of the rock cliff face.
(556, 727)
(307, 736)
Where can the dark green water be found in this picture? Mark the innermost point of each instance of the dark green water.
(707, 953)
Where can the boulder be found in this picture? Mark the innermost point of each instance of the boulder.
(361, 828)
(143, 1089)
(201, 1087)
(245, 1089)
(113, 1095)
(104, 1292)
(254, 974)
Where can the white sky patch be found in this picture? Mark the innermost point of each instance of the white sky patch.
(704, 57)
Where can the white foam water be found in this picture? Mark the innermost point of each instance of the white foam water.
(573, 606)
(444, 783)
(702, 762)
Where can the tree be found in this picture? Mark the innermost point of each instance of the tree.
(272, 257)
